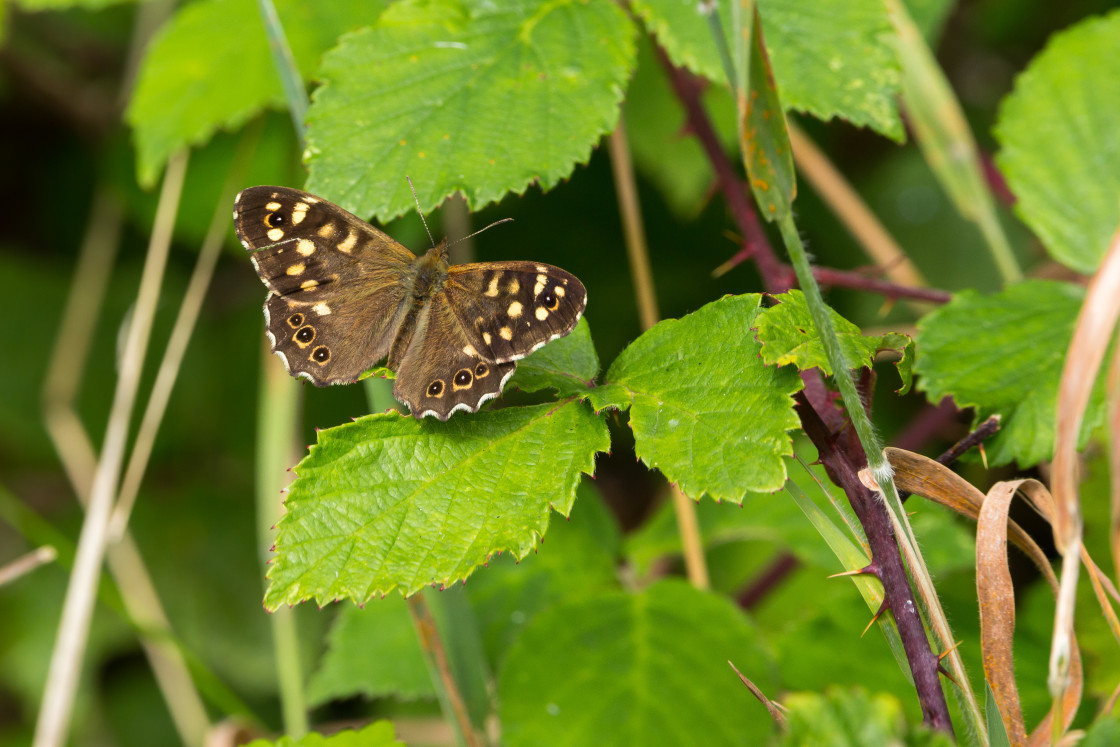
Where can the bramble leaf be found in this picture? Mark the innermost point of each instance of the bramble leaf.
(705, 409)
(614, 661)
(482, 98)
(1060, 151)
(568, 365)
(387, 502)
(1004, 354)
(831, 58)
(788, 336)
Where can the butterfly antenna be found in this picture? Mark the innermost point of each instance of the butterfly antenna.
(419, 211)
(476, 233)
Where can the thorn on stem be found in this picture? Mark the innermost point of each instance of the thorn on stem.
(882, 608)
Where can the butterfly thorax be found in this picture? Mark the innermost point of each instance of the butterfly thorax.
(429, 273)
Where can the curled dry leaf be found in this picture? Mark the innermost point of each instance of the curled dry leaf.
(1095, 324)
(925, 477)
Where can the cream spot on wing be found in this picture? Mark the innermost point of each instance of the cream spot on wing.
(514, 310)
(558, 290)
(492, 290)
(311, 200)
(326, 230)
(469, 350)
(299, 212)
(308, 284)
(505, 333)
(486, 337)
(541, 268)
(296, 269)
(321, 309)
(306, 247)
(347, 245)
(275, 234)
(273, 206)
(514, 286)
(542, 313)
(542, 280)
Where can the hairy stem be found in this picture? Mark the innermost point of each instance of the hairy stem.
(896, 586)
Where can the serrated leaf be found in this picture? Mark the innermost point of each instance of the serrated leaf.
(387, 502)
(483, 97)
(615, 661)
(1003, 354)
(788, 336)
(831, 58)
(568, 365)
(210, 68)
(578, 559)
(372, 651)
(377, 734)
(704, 408)
(852, 717)
(1059, 146)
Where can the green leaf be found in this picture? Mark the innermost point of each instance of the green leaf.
(655, 126)
(1059, 151)
(788, 336)
(1004, 354)
(636, 669)
(372, 651)
(387, 502)
(377, 734)
(210, 68)
(852, 717)
(568, 365)
(478, 97)
(831, 58)
(705, 409)
(578, 559)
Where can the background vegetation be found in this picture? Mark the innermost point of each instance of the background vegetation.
(102, 102)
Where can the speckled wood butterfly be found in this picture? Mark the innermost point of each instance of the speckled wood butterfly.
(343, 296)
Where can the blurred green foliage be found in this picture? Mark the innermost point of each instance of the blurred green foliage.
(65, 75)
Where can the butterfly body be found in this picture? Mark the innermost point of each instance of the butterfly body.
(343, 296)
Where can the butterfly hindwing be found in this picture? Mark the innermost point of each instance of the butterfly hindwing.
(509, 309)
(339, 277)
(442, 372)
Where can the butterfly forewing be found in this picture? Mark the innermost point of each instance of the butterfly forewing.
(337, 284)
(509, 309)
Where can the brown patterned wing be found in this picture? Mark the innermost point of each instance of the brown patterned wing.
(442, 372)
(338, 285)
(509, 309)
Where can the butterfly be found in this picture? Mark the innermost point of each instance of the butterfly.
(343, 296)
